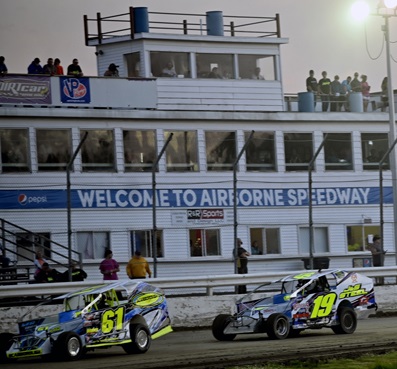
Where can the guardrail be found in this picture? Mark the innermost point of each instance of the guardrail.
(175, 285)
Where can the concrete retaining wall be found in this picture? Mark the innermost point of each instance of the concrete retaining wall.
(190, 312)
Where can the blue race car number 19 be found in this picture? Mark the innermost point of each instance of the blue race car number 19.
(323, 305)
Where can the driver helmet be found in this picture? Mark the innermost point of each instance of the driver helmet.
(311, 287)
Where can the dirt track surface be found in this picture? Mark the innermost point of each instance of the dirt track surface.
(198, 349)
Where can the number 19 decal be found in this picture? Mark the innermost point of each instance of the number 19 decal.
(112, 320)
(323, 305)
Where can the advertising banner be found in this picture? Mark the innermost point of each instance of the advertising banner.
(25, 89)
(202, 203)
(75, 90)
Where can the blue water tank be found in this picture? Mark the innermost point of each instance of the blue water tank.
(305, 101)
(141, 20)
(356, 102)
(214, 23)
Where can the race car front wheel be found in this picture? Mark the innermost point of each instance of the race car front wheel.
(218, 326)
(5, 344)
(347, 321)
(68, 347)
(140, 339)
(277, 326)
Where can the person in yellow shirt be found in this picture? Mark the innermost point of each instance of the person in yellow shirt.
(138, 267)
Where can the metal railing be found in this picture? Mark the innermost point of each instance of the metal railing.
(199, 285)
(123, 25)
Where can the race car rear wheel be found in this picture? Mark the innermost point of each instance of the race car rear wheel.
(277, 326)
(218, 326)
(68, 347)
(5, 344)
(140, 339)
(347, 321)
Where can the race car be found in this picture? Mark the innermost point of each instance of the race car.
(126, 313)
(309, 300)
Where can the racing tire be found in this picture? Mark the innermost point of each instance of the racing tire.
(68, 347)
(218, 326)
(347, 321)
(140, 339)
(5, 344)
(277, 327)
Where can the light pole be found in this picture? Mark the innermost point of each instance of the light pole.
(387, 9)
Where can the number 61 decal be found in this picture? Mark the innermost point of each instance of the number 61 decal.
(112, 320)
(323, 305)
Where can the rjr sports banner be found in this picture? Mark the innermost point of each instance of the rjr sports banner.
(192, 198)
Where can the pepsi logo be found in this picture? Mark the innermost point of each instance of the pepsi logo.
(22, 199)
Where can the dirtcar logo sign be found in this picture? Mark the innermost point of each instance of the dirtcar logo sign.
(21, 89)
(209, 202)
(75, 90)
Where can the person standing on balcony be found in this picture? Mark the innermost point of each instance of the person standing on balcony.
(49, 68)
(138, 267)
(324, 90)
(39, 261)
(3, 67)
(112, 71)
(35, 67)
(58, 66)
(109, 267)
(365, 87)
(242, 263)
(378, 256)
(74, 69)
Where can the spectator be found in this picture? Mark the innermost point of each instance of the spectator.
(109, 267)
(35, 67)
(242, 263)
(378, 255)
(214, 73)
(255, 248)
(324, 90)
(257, 74)
(355, 83)
(3, 67)
(59, 68)
(336, 89)
(78, 275)
(48, 275)
(346, 90)
(74, 69)
(39, 262)
(169, 70)
(112, 71)
(311, 82)
(138, 267)
(50, 68)
(365, 87)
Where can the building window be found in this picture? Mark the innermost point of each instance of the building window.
(170, 64)
(53, 149)
(139, 150)
(98, 151)
(374, 147)
(204, 242)
(321, 244)
(215, 66)
(298, 151)
(182, 151)
(338, 151)
(248, 67)
(260, 151)
(14, 150)
(265, 241)
(358, 235)
(220, 150)
(143, 241)
(28, 244)
(92, 245)
(133, 62)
